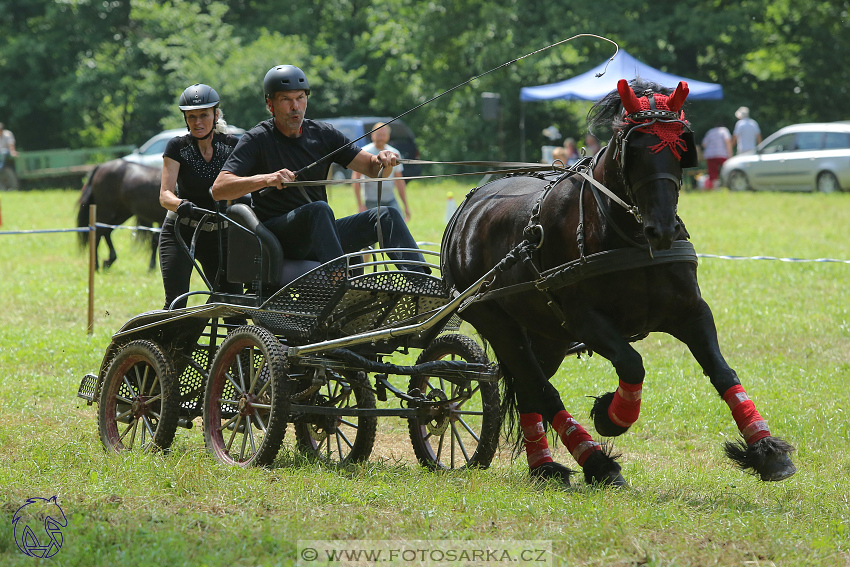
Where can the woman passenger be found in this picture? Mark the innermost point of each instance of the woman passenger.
(192, 162)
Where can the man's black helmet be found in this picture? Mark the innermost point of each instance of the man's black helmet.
(285, 78)
(198, 96)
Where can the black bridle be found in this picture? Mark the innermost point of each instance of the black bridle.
(620, 142)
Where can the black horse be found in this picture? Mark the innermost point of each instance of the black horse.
(593, 259)
(122, 189)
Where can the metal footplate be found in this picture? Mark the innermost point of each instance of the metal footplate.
(87, 388)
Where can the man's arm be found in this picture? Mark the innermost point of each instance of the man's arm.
(231, 186)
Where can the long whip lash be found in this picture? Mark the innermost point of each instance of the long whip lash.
(511, 62)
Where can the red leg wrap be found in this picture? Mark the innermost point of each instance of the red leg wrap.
(750, 423)
(625, 407)
(574, 437)
(534, 437)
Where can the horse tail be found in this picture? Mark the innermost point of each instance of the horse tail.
(86, 200)
(509, 412)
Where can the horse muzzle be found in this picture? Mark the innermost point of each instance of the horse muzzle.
(662, 235)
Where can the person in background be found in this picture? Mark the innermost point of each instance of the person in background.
(8, 179)
(717, 148)
(591, 145)
(380, 139)
(746, 135)
(572, 155)
(192, 162)
(270, 154)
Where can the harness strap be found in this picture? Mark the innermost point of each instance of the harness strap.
(598, 264)
(607, 191)
(644, 180)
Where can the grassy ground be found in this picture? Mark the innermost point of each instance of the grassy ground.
(785, 327)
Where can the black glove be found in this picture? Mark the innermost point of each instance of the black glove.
(186, 210)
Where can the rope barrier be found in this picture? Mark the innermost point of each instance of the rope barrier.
(774, 258)
(715, 256)
(80, 229)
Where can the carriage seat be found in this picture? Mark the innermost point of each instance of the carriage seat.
(244, 263)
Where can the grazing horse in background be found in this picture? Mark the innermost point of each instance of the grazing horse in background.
(604, 261)
(122, 189)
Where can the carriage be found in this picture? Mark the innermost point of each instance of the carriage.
(306, 344)
(591, 257)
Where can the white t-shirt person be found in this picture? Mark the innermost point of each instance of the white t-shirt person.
(369, 198)
(746, 134)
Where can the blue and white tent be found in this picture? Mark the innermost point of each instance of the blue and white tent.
(588, 86)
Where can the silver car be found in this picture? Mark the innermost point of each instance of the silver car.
(150, 154)
(803, 157)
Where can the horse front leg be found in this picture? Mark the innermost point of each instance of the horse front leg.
(615, 412)
(760, 452)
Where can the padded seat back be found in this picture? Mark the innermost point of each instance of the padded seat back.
(257, 255)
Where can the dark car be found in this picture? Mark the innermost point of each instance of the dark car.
(354, 127)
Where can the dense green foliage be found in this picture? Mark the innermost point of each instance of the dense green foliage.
(80, 73)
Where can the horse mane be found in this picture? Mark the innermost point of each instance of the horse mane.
(608, 111)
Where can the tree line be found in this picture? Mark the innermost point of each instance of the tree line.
(91, 73)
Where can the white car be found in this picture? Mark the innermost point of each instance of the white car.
(803, 157)
(150, 154)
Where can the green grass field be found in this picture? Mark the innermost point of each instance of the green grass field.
(785, 327)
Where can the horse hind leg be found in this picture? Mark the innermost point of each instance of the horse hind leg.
(154, 246)
(536, 399)
(107, 236)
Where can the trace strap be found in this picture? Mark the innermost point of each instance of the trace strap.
(601, 263)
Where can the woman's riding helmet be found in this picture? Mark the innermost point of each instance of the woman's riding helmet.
(285, 78)
(198, 96)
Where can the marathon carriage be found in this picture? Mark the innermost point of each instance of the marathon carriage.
(306, 344)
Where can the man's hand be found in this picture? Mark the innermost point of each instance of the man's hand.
(280, 178)
(388, 160)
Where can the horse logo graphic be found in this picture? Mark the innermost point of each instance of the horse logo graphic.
(31, 518)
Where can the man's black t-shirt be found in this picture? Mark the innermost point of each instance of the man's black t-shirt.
(197, 175)
(264, 149)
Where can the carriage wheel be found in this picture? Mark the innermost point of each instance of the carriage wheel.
(139, 400)
(466, 433)
(336, 439)
(247, 400)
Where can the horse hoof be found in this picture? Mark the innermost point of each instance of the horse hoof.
(769, 458)
(601, 421)
(551, 470)
(601, 468)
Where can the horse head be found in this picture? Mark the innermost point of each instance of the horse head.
(652, 143)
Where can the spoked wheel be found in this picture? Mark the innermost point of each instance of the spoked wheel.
(247, 400)
(139, 400)
(338, 439)
(464, 433)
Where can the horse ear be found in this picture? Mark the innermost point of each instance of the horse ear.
(627, 96)
(677, 99)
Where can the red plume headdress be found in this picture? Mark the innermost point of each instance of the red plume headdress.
(668, 132)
